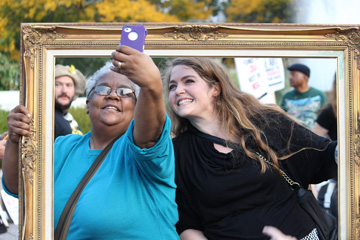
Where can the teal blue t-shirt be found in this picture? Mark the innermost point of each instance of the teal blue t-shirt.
(304, 106)
(132, 195)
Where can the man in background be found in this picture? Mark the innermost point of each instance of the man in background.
(69, 84)
(303, 102)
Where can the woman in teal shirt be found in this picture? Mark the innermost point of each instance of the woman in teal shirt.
(132, 195)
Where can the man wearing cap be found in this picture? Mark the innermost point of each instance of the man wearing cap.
(303, 102)
(69, 84)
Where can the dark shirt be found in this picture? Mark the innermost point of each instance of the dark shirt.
(227, 197)
(327, 120)
(62, 126)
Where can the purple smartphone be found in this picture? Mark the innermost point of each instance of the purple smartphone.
(133, 36)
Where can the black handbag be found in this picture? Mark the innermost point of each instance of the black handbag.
(326, 224)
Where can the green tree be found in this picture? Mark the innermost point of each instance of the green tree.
(14, 12)
(9, 73)
(260, 11)
(188, 10)
(130, 11)
(86, 66)
(3, 121)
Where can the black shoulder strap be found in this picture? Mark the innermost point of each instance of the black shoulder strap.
(66, 215)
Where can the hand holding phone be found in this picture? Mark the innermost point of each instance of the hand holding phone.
(133, 36)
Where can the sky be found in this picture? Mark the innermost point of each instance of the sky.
(326, 12)
(329, 11)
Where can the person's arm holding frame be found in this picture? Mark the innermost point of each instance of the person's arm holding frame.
(18, 125)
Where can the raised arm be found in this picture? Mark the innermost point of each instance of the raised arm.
(18, 125)
(150, 113)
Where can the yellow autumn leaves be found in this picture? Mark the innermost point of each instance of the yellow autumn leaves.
(14, 12)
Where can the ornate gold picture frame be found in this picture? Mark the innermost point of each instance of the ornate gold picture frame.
(42, 43)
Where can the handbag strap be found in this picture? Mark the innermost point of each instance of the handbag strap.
(66, 215)
(287, 178)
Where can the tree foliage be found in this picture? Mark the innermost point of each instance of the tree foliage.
(3, 120)
(188, 10)
(260, 11)
(9, 73)
(15, 12)
(130, 11)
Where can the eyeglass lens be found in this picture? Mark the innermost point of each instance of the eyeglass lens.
(121, 92)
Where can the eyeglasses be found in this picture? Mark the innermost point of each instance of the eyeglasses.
(120, 92)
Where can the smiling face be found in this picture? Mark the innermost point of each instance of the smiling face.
(111, 110)
(189, 95)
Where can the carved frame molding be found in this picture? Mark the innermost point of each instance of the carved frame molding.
(38, 38)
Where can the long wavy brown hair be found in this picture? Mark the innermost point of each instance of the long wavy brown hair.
(235, 109)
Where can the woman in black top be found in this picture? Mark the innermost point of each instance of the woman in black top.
(225, 190)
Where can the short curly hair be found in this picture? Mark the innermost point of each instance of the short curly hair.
(101, 72)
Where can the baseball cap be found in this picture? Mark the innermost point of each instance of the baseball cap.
(301, 68)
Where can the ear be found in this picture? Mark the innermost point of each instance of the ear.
(217, 89)
(87, 106)
(306, 78)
